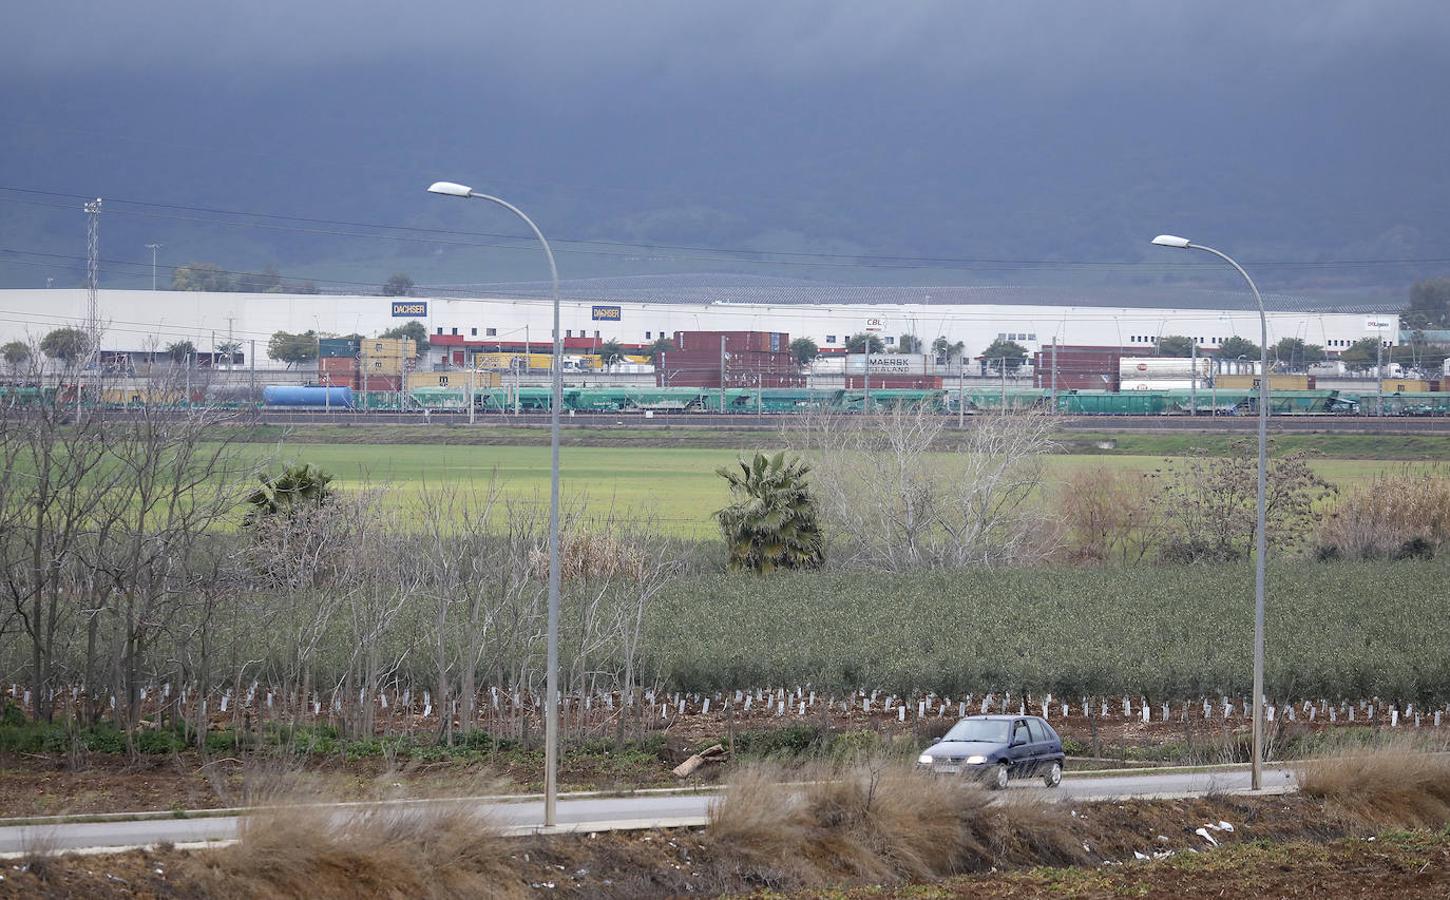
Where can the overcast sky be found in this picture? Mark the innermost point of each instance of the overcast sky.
(1298, 128)
(683, 42)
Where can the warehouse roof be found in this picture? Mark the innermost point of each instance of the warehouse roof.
(784, 291)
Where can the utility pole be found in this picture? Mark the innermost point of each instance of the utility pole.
(1379, 374)
(1003, 363)
(1213, 390)
(1054, 373)
(153, 248)
(93, 288)
(1193, 378)
(866, 374)
(722, 373)
(962, 389)
(252, 379)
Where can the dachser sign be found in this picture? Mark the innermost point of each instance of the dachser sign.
(606, 314)
(409, 308)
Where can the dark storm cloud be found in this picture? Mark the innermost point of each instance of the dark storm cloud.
(996, 130)
(687, 41)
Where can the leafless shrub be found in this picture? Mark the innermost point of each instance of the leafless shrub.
(1391, 516)
(876, 822)
(1208, 510)
(1108, 514)
(592, 554)
(1395, 785)
(890, 501)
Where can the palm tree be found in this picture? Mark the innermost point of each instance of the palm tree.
(772, 522)
(295, 486)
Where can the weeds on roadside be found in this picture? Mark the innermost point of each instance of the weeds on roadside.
(876, 821)
(1398, 784)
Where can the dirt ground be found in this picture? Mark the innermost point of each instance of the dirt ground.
(1408, 866)
(1277, 847)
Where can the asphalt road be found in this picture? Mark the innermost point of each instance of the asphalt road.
(584, 813)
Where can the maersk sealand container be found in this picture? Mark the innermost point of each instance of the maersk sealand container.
(294, 395)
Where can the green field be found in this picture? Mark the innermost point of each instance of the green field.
(673, 486)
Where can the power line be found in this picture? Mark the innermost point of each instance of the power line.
(614, 248)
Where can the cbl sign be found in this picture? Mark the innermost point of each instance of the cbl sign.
(876, 323)
(410, 309)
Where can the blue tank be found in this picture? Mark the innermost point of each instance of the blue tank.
(292, 395)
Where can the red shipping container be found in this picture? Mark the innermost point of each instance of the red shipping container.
(381, 383)
(735, 341)
(342, 364)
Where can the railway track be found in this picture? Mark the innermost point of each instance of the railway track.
(664, 421)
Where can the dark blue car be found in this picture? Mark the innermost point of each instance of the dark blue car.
(997, 749)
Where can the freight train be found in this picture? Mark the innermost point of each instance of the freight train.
(768, 401)
(761, 401)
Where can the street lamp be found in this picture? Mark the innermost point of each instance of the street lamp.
(551, 700)
(1261, 543)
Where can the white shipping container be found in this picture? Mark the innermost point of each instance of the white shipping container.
(1149, 368)
(1160, 384)
(888, 363)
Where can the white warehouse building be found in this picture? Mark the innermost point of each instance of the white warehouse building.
(139, 321)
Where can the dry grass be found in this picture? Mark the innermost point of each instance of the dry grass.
(879, 823)
(296, 845)
(1397, 785)
(437, 851)
(1391, 516)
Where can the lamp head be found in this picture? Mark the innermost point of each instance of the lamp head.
(1172, 240)
(449, 189)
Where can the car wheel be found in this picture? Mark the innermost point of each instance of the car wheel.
(1001, 777)
(1053, 778)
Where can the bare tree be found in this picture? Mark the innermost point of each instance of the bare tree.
(894, 496)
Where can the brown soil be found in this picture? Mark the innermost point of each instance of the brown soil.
(1400, 866)
(1279, 847)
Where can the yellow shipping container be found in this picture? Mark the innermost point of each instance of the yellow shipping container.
(383, 347)
(511, 361)
(372, 365)
(641, 360)
(142, 396)
(1406, 386)
(1276, 382)
(452, 378)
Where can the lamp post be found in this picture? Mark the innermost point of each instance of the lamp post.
(1261, 543)
(551, 700)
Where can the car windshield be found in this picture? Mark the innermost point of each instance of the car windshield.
(986, 730)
